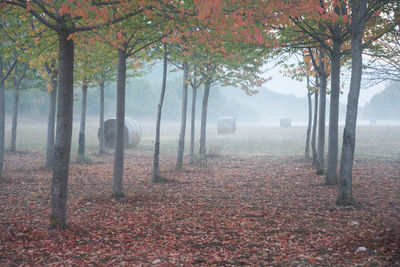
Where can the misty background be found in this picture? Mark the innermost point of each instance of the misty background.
(265, 107)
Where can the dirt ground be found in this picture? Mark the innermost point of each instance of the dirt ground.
(255, 210)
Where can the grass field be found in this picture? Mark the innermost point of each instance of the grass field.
(381, 142)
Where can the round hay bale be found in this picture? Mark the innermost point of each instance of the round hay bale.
(132, 133)
(285, 122)
(226, 125)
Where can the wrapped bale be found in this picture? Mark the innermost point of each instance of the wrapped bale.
(285, 122)
(226, 125)
(132, 133)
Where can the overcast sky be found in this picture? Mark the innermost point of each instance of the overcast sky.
(285, 85)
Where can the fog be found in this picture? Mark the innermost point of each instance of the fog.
(266, 107)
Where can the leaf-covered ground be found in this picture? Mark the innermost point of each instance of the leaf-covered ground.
(226, 211)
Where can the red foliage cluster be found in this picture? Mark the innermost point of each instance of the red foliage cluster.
(226, 211)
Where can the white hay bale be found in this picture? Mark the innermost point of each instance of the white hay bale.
(226, 125)
(132, 133)
(285, 122)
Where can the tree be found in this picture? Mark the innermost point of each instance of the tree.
(319, 62)
(315, 122)
(82, 127)
(181, 145)
(156, 171)
(177, 56)
(131, 43)
(362, 13)
(235, 65)
(10, 32)
(304, 69)
(195, 84)
(66, 21)
(326, 24)
(19, 73)
(52, 72)
(3, 77)
(45, 54)
(106, 73)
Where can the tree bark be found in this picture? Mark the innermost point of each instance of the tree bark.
(307, 149)
(59, 188)
(156, 162)
(13, 146)
(193, 123)
(345, 195)
(2, 116)
(314, 128)
(82, 126)
(17, 84)
(203, 125)
(101, 122)
(332, 157)
(51, 121)
(181, 143)
(3, 77)
(117, 190)
(321, 125)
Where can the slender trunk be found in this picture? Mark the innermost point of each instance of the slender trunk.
(332, 158)
(51, 120)
(3, 77)
(17, 84)
(119, 127)
(307, 150)
(203, 125)
(62, 150)
(101, 123)
(314, 128)
(321, 126)
(81, 139)
(345, 195)
(2, 116)
(13, 146)
(182, 133)
(192, 123)
(156, 171)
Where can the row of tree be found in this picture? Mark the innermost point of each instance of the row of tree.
(220, 41)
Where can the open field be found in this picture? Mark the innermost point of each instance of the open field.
(250, 139)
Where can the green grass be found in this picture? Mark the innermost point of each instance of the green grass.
(250, 139)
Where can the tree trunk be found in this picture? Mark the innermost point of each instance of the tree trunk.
(321, 126)
(181, 147)
(119, 126)
(307, 150)
(13, 146)
(2, 116)
(192, 123)
(345, 195)
(203, 125)
(62, 151)
(332, 158)
(3, 77)
(156, 170)
(314, 128)
(17, 84)
(82, 127)
(101, 123)
(51, 121)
